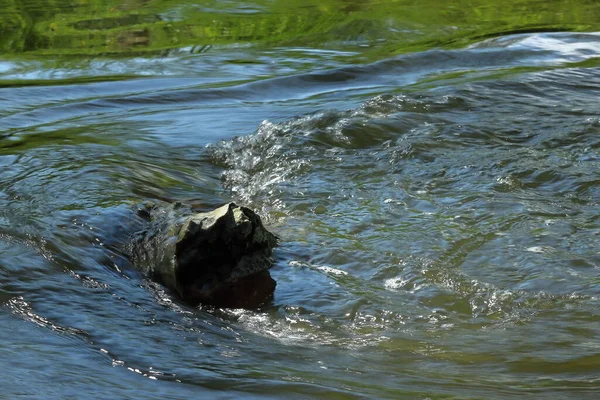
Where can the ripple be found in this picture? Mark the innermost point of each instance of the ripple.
(23, 309)
(438, 208)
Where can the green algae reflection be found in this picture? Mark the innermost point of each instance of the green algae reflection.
(373, 28)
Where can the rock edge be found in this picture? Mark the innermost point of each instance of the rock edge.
(220, 257)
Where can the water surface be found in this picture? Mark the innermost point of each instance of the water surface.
(432, 172)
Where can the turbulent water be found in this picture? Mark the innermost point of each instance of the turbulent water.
(438, 211)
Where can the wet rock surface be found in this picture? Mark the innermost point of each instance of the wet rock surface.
(220, 257)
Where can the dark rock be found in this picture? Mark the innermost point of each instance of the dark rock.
(221, 257)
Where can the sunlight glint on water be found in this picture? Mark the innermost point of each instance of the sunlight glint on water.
(437, 209)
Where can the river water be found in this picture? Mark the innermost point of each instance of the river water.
(437, 204)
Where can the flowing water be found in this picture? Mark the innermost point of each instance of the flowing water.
(432, 170)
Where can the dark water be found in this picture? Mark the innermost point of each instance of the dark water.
(438, 210)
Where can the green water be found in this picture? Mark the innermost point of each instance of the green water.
(76, 30)
(432, 169)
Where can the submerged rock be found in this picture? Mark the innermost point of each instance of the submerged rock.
(221, 257)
